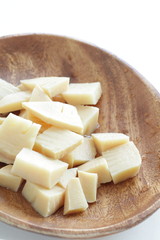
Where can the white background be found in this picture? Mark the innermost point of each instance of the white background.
(129, 29)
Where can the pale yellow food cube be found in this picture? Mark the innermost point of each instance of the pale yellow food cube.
(67, 176)
(89, 183)
(38, 95)
(81, 154)
(55, 113)
(124, 161)
(51, 85)
(13, 102)
(75, 200)
(98, 165)
(56, 142)
(15, 134)
(89, 117)
(44, 201)
(7, 88)
(8, 180)
(83, 93)
(105, 141)
(38, 168)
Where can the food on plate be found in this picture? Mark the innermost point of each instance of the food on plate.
(99, 166)
(51, 85)
(13, 101)
(58, 114)
(37, 168)
(67, 176)
(39, 95)
(89, 117)
(44, 201)
(8, 180)
(74, 201)
(105, 141)
(83, 93)
(124, 161)
(54, 139)
(81, 154)
(89, 182)
(16, 133)
(56, 142)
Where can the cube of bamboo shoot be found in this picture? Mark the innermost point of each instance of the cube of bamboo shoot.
(38, 168)
(83, 93)
(81, 154)
(13, 102)
(89, 183)
(105, 141)
(57, 142)
(75, 200)
(15, 134)
(98, 165)
(38, 95)
(67, 176)
(44, 201)
(8, 180)
(89, 117)
(124, 161)
(57, 114)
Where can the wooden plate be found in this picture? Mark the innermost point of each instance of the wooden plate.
(129, 104)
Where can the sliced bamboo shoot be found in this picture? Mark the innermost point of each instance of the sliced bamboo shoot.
(83, 93)
(38, 168)
(15, 134)
(105, 141)
(89, 117)
(124, 161)
(75, 200)
(81, 154)
(89, 182)
(38, 95)
(55, 113)
(99, 166)
(67, 176)
(8, 180)
(44, 201)
(13, 102)
(56, 142)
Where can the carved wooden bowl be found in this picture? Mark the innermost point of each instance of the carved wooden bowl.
(129, 105)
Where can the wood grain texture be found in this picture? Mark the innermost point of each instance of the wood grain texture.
(128, 105)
